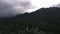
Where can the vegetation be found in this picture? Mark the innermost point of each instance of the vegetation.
(42, 21)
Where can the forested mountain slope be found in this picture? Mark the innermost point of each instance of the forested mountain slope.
(45, 19)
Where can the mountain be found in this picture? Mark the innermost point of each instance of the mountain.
(46, 19)
(42, 14)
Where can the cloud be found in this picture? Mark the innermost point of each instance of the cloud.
(57, 5)
(10, 8)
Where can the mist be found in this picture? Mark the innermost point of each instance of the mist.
(9, 8)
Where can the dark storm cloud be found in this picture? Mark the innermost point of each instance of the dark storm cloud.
(13, 7)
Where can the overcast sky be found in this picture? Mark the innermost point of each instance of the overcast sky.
(13, 7)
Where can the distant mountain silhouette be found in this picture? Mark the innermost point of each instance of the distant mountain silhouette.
(41, 14)
(46, 19)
